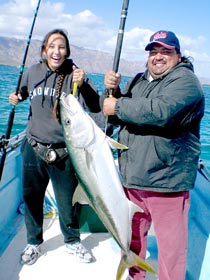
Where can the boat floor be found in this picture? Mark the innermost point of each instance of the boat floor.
(55, 263)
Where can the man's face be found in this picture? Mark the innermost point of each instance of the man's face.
(162, 60)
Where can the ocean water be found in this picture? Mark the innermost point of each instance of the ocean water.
(8, 81)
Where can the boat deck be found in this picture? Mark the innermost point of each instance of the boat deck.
(55, 263)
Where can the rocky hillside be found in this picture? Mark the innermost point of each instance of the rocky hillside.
(92, 61)
(12, 51)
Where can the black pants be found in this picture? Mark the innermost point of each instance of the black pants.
(36, 175)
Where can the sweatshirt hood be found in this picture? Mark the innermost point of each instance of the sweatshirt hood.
(64, 69)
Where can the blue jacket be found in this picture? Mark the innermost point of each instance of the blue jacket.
(160, 123)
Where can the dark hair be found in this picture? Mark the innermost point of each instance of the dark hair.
(54, 31)
(188, 59)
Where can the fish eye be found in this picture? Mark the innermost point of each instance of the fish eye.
(67, 122)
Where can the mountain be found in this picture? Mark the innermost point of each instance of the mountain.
(92, 61)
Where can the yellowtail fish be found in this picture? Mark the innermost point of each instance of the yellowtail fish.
(100, 184)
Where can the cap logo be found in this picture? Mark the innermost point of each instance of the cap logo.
(160, 35)
(165, 38)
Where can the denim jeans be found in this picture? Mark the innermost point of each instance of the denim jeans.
(36, 175)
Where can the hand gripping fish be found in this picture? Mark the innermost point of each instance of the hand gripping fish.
(100, 184)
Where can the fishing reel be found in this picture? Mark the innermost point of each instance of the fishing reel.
(3, 142)
(50, 155)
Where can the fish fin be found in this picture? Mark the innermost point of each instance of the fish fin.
(134, 208)
(89, 162)
(130, 259)
(80, 196)
(114, 144)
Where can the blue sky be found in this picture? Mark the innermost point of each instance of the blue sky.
(94, 24)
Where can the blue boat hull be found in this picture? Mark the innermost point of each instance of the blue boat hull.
(199, 215)
(10, 195)
(198, 258)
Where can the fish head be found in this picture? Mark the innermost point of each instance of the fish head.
(76, 123)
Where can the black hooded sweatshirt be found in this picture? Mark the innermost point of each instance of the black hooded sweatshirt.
(40, 84)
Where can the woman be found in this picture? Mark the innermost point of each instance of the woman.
(43, 152)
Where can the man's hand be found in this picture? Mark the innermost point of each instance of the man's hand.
(112, 80)
(109, 106)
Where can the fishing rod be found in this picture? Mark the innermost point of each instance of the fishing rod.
(120, 36)
(118, 48)
(4, 140)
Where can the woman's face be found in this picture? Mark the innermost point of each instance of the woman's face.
(55, 51)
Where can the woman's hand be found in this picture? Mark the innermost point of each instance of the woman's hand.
(78, 76)
(14, 98)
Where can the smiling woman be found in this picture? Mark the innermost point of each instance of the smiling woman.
(55, 49)
(44, 154)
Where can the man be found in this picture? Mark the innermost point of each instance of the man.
(160, 113)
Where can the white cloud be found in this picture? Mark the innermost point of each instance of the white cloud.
(193, 47)
(87, 30)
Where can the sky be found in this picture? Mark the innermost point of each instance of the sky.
(94, 24)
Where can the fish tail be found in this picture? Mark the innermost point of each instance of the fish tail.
(130, 259)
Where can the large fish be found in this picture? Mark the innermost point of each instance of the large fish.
(100, 184)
